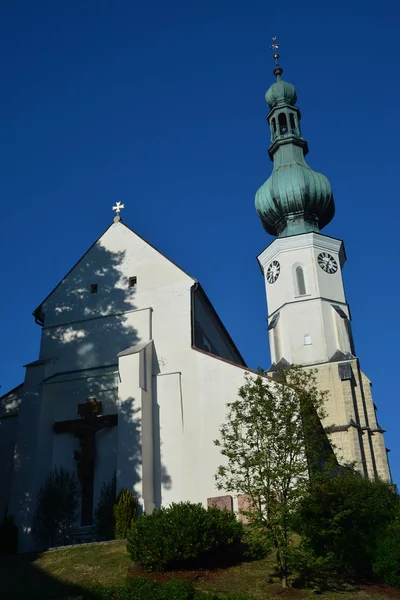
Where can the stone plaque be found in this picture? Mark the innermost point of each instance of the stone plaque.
(244, 503)
(221, 502)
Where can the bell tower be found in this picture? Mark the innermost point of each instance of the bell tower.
(309, 320)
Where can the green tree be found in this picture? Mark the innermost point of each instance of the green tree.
(386, 560)
(125, 512)
(104, 513)
(56, 508)
(344, 517)
(270, 430)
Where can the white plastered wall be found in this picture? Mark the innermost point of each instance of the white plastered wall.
(307, 323)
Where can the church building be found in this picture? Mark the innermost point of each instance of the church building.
(135, 367)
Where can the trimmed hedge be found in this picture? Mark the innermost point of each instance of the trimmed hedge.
(142, 588)
(185, 536)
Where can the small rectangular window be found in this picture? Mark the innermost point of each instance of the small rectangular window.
(345, 371)
(132, 282)
(307, 340)
(94, 288)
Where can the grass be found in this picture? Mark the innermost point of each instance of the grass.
(65, 573)
(103, 564)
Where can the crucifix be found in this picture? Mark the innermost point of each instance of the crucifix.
(91, 421)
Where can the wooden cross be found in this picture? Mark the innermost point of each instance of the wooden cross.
(91, 421)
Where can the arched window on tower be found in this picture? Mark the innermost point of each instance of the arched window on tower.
(300, 282)
(273, 128)
(292, 124)
(282, 124)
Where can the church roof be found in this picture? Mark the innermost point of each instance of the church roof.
(37, 313)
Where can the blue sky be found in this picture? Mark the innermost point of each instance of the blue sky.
(161, 105)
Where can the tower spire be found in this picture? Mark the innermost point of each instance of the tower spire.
(295, 199)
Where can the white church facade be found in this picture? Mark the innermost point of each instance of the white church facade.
(135, 367)
(129, 329)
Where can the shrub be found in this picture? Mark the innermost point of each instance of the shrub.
(256, 543)
(104, 514)
(342, 516)
(8, 535)
(185, 536)
(142, 588)
(125, 512)
(320, 573)
(386, 561)
(56, 508)
(178, 590)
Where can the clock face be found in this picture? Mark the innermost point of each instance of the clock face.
(273, 271)
(327, 263)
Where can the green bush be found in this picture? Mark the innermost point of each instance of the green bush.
(104, 514)
(386, 562)
(125, 512)
(8, 535)
(256, 543)
(320, 573)
(142, 588)
(342, 517)
(178, 590)
(185, 536)
(56, 509)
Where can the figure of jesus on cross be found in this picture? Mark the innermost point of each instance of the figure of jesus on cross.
(91, 421)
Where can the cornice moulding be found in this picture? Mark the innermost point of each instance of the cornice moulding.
(299, 242)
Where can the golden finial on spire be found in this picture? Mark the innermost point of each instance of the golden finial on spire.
(274, 46)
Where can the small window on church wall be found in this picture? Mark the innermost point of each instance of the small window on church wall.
(132, 282)
(307, 340)
(282, 124)
(301, 284)
(94, 288)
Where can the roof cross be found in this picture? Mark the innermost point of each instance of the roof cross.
(118, 207)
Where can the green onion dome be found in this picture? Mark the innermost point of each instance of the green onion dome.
(295, 198)
(281, 92)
